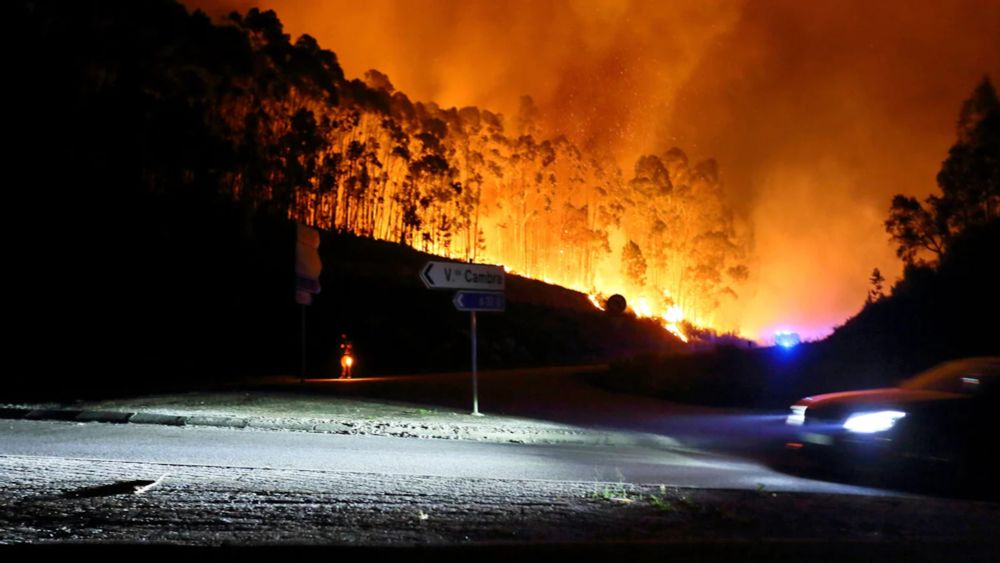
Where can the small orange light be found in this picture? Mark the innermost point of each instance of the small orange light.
(794, 445)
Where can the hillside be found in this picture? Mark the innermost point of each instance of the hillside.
(931, 316)
(187, 287)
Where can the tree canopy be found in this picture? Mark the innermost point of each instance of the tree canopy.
(969, 181)
(169, 101)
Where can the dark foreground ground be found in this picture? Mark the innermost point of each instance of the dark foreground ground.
(77, 502)
(86, 504)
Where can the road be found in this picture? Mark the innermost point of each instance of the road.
(398, 456)
(67, 483)
(568, 396)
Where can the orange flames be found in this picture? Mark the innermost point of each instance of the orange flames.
(471, 185)
(817, 114)
(671, 317)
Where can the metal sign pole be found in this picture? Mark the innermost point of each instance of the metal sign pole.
(475, 376)
(486, 283)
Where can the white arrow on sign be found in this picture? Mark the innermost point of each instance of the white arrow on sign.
(457, 275)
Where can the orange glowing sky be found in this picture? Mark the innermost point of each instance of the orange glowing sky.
(818, 112)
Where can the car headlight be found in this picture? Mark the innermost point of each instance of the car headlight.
(870, 422)
(798, 416)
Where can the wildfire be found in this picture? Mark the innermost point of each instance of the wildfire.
(544, 198)
(466, 184)
(672, 316)
(671, 321)
(642, 308)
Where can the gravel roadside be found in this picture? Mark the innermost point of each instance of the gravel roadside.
(80, 501)
(291, 411)
(71, 502)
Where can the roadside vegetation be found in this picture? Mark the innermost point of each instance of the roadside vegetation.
(166, 164)
(163, 168)
(946, 305)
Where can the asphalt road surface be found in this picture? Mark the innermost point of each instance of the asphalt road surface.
(68, 484)
(219, 447)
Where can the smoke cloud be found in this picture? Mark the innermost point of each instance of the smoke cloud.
(818, 112)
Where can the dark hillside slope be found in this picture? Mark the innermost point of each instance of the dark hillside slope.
(180, 287)
(371, 292)
(933, 315)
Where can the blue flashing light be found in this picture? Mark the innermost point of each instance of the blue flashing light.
(787, 338)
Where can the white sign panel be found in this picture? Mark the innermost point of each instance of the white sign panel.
(458, 275)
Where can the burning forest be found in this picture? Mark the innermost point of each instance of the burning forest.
(360, 157)
(568, 142)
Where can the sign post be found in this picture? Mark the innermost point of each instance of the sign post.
(475, 377)
(488, 285)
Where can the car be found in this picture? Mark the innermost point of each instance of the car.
(946, 417)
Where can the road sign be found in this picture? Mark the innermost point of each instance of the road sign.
(489, 283)
(457, 275)
(479, 301)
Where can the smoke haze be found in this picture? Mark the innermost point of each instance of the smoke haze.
(818, 112)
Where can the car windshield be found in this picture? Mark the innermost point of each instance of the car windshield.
(963, 376)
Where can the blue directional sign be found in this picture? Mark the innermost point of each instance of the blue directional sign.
(480, 301)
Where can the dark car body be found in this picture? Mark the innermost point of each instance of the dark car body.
(948, 415)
